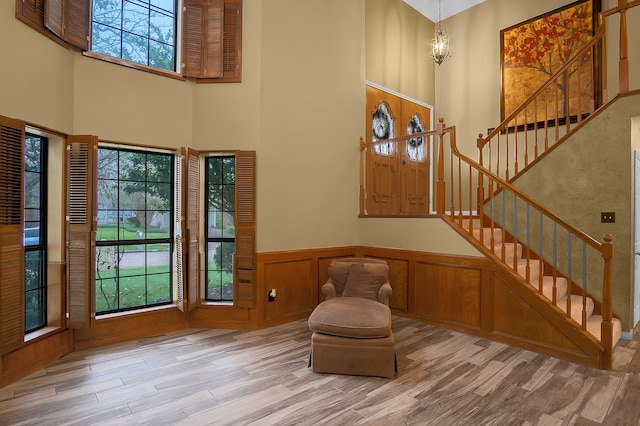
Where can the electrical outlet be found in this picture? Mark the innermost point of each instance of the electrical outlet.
(607, 217)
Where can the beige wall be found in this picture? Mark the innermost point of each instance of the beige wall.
(300, 106)
(398, 44)
(429, 235)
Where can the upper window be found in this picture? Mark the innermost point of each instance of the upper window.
(145, 34)
(134, 239)
(142, 31)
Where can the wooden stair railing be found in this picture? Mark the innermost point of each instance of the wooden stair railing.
(532, 242)
(547, 117)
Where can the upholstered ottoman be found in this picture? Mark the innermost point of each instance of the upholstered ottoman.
(352, 336)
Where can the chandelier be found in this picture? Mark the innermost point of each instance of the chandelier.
(440, 42)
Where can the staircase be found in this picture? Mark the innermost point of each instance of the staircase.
(543, 252)
(545, 280)
(546, 269)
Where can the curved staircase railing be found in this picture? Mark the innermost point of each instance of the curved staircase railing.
(557, 259)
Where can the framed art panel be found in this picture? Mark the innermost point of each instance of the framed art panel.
(533, 51)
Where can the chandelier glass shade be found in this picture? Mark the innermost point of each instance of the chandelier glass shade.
(440, 46)
(440, 42)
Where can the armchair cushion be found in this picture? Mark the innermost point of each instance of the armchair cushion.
(354, 317)
(338, 272)
(364, 280)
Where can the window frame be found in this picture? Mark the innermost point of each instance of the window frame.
(41, 247)
(222, 239)
(123, 243)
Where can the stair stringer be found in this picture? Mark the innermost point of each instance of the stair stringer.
(521, 313)
(524, 318)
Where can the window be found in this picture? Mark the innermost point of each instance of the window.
(134, 238)
(35, 232)
(142, 31)
(144, 34)
(220, 225)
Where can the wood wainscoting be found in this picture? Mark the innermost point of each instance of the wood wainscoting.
(463, 293)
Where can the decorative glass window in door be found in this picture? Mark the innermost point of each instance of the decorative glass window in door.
(415, 146)
(382, 128)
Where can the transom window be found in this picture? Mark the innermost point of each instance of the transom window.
(220, 225)
(141, 31)
(134, 239)
(35, 241)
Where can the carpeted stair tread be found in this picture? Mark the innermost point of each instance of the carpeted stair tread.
(594, 326)
(576, 307)
(486, 235)
(509, 250)
(547, 286)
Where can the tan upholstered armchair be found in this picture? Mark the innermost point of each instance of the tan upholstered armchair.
(358, 277)
(352, 331)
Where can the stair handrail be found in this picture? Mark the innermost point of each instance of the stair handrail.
(605, 249)
(505, 184)
(582, 51)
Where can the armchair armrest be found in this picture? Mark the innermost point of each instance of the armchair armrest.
(329, 290)
(384, 293)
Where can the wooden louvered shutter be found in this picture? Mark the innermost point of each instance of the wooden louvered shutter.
(245, 283)
(203, 28)
(69, 20)
(191, 215)
(54, 17)
(31, 11)
(11, 246)
(81, 188)
(179, 231)
(193, 39)
(77, 23)
(232, 43)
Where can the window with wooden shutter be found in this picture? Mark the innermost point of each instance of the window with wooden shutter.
(12, 135)
(81, 187)
(245, 286)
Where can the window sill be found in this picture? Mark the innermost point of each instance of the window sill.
(135, 312)
(134, 65)
(35, 335)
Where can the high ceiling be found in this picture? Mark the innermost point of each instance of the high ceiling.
(429, 8)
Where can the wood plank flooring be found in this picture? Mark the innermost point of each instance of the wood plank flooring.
(229, 377)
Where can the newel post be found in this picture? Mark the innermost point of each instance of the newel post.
(480, 194)
(607, 313)
(362, 165)
(440, 186)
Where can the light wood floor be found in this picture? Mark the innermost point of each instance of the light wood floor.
(225, 377)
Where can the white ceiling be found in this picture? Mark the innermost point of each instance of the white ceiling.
(429, 8)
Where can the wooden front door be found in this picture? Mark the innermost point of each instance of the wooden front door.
(415, 159)
(397, 173)
(383, 175)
